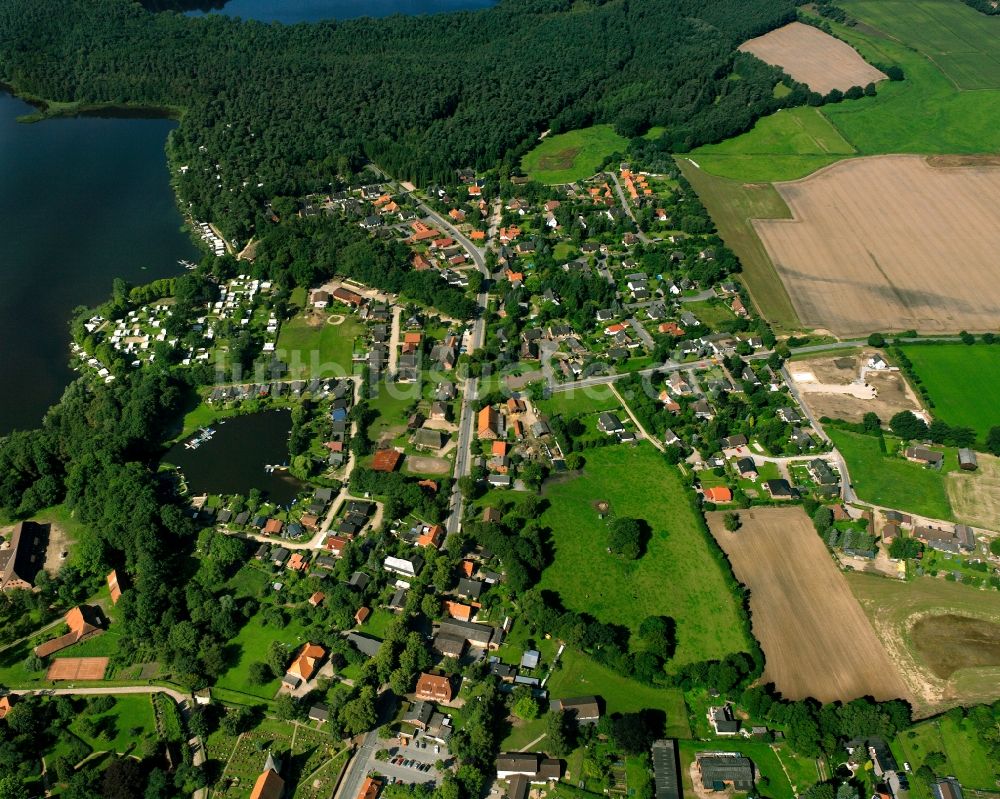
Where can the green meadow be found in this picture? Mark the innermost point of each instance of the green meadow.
(571, 156)
(677, 576)
(963, 382)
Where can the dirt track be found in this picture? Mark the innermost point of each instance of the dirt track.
(890, 243)
(816, 638)
(813, 57)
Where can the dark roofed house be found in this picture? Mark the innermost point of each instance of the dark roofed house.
(821, 472)
(23, 556)
(470, 589)
(722, 720)
(666, 770)
(779, 489)
(535, 767)
(359, 580)
(928, 457)
(609, 423)
(584, 709)
(365, 644)
(419, 714)
(450, 646)
(721, 770)
(746, 468)
(518, 787)
(320, 713)
(475, 634)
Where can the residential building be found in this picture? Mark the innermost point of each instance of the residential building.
(489, 426)
(434, 688)
(583, 709)
(306, 662)
(947, 788)
(537, 768)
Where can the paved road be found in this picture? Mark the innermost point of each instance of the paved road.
(628, 208)
(642, 333)
(463, 454)
(357, 769)
(397, 312)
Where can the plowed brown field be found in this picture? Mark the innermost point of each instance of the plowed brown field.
(813, 57)
(890, 243)
(816, 638)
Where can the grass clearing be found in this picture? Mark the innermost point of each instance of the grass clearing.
(578, 675)
(251, 645)
(788, 144)
(963, 382)
(130, 720)
(678, 576)
(576, 154)
(579, 401)
(732, 205)
(958, 741)
(891, 481)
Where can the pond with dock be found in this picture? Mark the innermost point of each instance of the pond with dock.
(237, 455)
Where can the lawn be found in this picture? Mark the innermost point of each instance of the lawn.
(732, 205)
(579, 401)
(578, 675)
(312, 347)
(891, 481)
(710, 312)
(130, 720)
(392, 404)
(789, 144)
(963, 382)
(571, 156)
(677, 576)
(968, 761)
(251, 645)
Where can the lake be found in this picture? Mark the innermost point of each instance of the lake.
(292, 11)
(83, 200)
(233, 461)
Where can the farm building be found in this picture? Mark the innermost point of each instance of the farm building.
(666, 770)
(722, 770)
(583, 709)
(928, 457)
(23, 557)
(967, 460)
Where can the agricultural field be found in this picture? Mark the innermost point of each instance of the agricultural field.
(826, 386)
(795, 589)
(975, 496)
(960, 41)
(677, 576)
(868, 238)
(732, 205)
(315, 343)
(814, 58)
(962, 381)
(790, 143)
(894, 608)
(574, 155)
(891, 481)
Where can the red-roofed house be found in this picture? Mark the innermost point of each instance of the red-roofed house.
(273, 527)
(433, 688)
(489, 423)
(362, 614)
(297, 563)
(432, 536)
(386, 460)
(307, 661)
(347, 296)
(457, 610)
(718, 494)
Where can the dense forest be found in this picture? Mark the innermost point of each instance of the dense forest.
(274, 110)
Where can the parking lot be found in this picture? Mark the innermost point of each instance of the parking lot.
(412, 764)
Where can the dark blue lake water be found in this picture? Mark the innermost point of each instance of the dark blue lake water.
(82, 201)
(291, 11)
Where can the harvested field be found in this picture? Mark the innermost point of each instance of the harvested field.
(870, 239)
(796, 591)
(948, 643)
(975, 496)
(77, 669)
(896, 609)
(424, 465)
(826, 393)
(813, 57)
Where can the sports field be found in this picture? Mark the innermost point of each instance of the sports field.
(893, 482)
(573, 155)
(813, 57)
(894, 606)
(786, 145)
(677, 576)
(869, 238)
(795, 590)
(318, 344)
(733, 205)
(963, 382)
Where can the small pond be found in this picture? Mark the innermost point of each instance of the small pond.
(237, 456)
